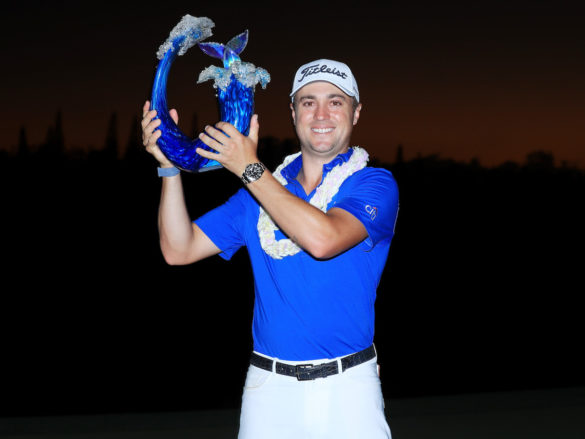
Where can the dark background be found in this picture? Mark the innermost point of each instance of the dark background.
(482, 286)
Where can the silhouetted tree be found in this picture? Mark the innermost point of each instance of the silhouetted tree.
(54, 145)
(23, 148)
(508, 166)
(540, 160)
(134, 138)
(59, 135)
(135, 156)
(399, 154)
(289, 146)
(272, 150)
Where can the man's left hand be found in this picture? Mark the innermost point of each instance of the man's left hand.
(234, 150)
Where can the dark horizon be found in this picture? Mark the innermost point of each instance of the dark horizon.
(55, 142)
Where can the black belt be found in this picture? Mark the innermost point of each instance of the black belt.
(304, 372)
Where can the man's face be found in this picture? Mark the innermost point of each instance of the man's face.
(324, 118)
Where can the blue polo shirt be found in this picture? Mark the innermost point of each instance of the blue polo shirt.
(306, 308)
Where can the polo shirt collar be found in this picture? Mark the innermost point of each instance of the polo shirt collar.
(291, 171)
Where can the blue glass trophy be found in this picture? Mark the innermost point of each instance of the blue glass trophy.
(235, 83)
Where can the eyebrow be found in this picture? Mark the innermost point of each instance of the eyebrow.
(330, 96)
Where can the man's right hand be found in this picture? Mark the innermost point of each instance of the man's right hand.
(150, 133)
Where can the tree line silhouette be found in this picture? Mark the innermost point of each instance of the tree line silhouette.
(479, 293)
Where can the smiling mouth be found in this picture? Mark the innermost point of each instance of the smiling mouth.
(321, 130)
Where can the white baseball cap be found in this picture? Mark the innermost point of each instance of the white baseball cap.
(335, 72)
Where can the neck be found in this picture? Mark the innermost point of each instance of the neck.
(311, 172)
(310, 176)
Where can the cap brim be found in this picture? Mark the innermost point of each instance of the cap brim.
(343, 89)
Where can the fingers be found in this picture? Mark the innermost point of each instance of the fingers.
(149, 124)
(149, 130)
(222, 132)
(207, 154)
(147, 116)
(151, 133)
(150, 141)
(174, 115)
(254, 128)
(145, 108)
(217, 132)
(232, 131)
(213, 138)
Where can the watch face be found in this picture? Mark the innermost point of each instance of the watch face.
(256, 170)
(253, 172)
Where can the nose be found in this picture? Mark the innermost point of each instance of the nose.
(321, 112)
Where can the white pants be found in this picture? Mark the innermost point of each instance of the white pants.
(347, 405)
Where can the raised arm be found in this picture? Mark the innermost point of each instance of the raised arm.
(181, 241)
(323, 235)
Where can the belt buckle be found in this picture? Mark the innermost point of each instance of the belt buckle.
(303, 372)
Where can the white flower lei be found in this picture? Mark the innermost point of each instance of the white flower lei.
(321, 199)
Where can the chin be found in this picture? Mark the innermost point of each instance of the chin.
(324, 149)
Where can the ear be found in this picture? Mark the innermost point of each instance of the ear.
(293, 114)
(356, 114)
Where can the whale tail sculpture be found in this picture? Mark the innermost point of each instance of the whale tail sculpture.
(235, 84)
(229, 52)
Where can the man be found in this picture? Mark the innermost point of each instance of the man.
(318, 231)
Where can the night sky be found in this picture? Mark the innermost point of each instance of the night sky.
(491, 81)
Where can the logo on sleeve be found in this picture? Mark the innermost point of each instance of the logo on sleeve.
(372, 211)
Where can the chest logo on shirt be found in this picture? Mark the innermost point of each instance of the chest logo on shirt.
(372, 211)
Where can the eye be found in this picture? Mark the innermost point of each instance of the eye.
(336, 103)
(307, 103)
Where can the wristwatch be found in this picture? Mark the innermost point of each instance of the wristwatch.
(253, 172)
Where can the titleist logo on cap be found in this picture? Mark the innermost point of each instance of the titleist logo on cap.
(315, 68)
(327, 70)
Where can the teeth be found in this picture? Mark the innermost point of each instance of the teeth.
(322, 130)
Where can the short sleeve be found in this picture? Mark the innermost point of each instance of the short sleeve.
(224, 225)
(371, 195)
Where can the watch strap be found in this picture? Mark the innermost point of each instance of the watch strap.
(168, 172)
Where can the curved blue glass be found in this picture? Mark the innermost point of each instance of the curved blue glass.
(235, 94)
(175, 145)
(236, 105)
